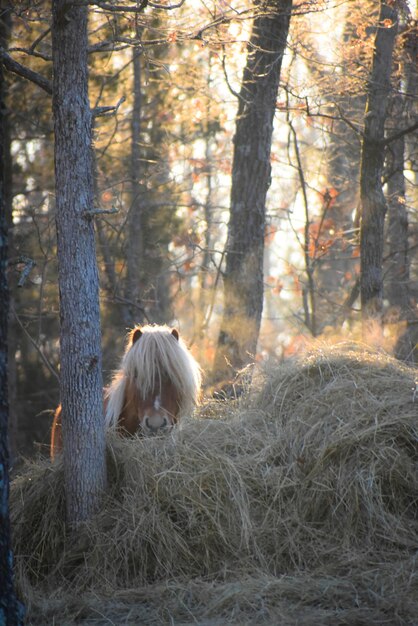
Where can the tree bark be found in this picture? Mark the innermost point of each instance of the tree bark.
(7, 198)
(81, 360)
(399, 292)
(373, 203)
(11, 611)
(251, 169)
(397, 280)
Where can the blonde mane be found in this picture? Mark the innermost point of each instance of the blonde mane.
(157, 356)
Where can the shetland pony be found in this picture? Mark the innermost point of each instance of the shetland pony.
(158, 382)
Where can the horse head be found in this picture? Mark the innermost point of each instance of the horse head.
(158, 382)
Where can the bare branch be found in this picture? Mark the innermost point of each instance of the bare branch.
(21, 70)
(221, 20)
(231, 89)
(115, 8)
(32, 53)
(111, 46)
(155, 5)
(39, 39)
(107, 111)
(401, 133)
(98, 212)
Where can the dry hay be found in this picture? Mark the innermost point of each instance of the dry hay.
(299, 507)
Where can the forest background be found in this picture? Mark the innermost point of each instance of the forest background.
(164, 87)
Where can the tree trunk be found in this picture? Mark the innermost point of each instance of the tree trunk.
(7, 198)
(243, 277)
(134, 246)
(11, 611)
(397, 280)
(81, 375)
(335, 270)
(203, 304)
(111, 283)
(373, 203)
(399, 292)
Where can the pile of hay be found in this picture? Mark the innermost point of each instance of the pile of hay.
(299, 507)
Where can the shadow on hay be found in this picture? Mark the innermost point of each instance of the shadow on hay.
(312, 474)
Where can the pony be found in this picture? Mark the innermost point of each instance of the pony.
(157, 383)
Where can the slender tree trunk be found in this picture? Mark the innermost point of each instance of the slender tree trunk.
(134, 251)
(398, 276)
(108, 261)
(104, 248)
(397, 280)
(309, 296)
(11, 611)
(251, 170)
(202, 308)
(335, 270)
(373, 203)
(81, 375)
(399, 292)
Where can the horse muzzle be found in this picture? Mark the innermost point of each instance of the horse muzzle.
(155, 425)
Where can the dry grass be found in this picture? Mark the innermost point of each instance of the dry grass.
(297, 504)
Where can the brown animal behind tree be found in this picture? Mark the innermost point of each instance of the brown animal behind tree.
(158, 382)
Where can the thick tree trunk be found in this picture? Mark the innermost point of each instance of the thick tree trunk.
(7, 197)
(11, 611)
(373, 203)
(243, 277)
(81, 375)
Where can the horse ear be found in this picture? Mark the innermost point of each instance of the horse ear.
(136, 335)
(175, 333)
